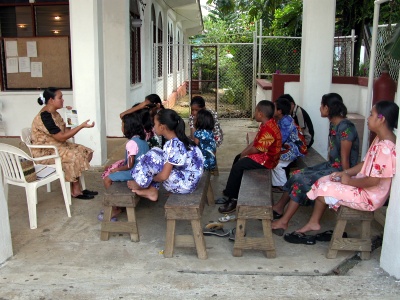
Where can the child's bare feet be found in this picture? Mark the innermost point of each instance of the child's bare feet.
(150, 193)
(132, 184)
(309, 227)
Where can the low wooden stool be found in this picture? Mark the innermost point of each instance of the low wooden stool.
(254, 202)
(188, 207)
(118, 194)
(362, 244)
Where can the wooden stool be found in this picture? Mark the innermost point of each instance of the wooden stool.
(188, 207)
(121, 196)
(254, 202)
(362, 244)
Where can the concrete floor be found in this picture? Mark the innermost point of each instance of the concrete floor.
(64, 258)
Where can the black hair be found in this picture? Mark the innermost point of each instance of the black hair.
(390, 111)
(288, 97)
(199, 101)
(174, 122)
(133, 125)
(267, 108)
(48, 94)
(283, 104)
(335, 105)
(155, 99)
(204, 120)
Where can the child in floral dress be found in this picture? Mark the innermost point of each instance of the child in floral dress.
(342, 136)
(179, 165)
(365, 186)
(204, 138)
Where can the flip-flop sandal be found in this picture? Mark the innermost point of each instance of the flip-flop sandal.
(326, 236)
(222, 200)
(278, 231)
(84, 197)
(215, 229)
(227, 218)
(299, 238)
(232, 234)
(276, 215)
(90, 193)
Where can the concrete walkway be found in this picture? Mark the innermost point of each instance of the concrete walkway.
(64, 258)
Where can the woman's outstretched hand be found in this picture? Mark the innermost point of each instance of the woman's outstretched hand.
(86, 124)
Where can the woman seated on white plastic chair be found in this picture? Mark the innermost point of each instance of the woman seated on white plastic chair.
(48, 128)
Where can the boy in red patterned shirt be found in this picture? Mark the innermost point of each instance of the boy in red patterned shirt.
(263, 152)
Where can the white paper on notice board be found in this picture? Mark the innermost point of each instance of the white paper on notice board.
(36, 69)
(12, 64)
(11, 48)
(24, 64)
(31, 49)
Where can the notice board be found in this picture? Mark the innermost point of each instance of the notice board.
(52, 58)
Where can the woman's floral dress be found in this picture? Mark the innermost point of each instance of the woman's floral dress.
(301, 180)
(74, 157)
(186, 172)
(380, 161)
(207, 146)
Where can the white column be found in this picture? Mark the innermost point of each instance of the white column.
(116, 32)
(316, 63)
(88, 73)
(390, 255)
(5, 233)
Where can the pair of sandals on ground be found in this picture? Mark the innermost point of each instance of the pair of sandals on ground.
(86, 195)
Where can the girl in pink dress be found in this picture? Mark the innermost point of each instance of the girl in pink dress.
(365, 186)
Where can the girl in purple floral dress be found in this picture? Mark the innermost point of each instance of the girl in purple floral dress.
(342, 136)
(179, 165)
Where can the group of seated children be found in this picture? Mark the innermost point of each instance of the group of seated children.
(178, 161)
(339, 181)
(158, 149)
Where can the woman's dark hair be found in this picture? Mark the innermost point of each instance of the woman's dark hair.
(199, 101)
(335, 105)
(155, 99)
(283, 104)
(288, 97)
(174, 122)
(267, 108)
(47, 95)
(204, 120)
(133, 125)
(390, 111)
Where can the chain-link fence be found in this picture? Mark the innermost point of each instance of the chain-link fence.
(278, 55)
(384, 34)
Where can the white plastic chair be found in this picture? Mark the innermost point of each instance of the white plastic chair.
(26, 137)
(10, 162)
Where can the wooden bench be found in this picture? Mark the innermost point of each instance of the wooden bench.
(119, 195)
(255, 202)
(188, 207)
(362, 244)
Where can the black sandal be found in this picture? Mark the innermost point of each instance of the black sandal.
(299, 238)
(90, 193)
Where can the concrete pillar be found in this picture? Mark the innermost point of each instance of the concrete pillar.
(117, 65)
(316, 63)
(390, 255)
(5, 233)
(88, 73)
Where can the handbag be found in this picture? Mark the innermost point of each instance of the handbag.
(28, 168)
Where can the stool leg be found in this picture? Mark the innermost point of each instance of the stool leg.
(267, 229)
(210, 195)
(170, 238)
(240, 230)
(366, 234)
(130, 212)
(105, 235)
(199, 239)
(337, 234)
